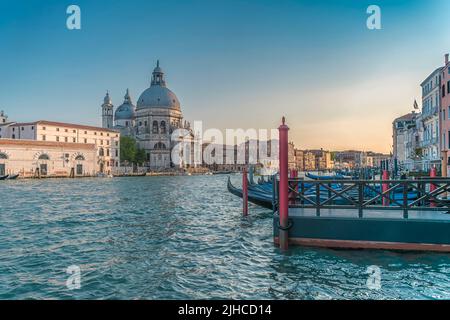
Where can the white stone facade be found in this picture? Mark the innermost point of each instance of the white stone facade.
(31, 158)
(105, 141)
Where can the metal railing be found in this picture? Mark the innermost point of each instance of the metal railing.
(405, 195)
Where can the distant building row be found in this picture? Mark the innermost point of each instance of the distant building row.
(321, 160)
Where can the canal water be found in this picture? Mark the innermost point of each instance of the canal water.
(181, 238)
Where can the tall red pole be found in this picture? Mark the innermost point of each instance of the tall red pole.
(244, 193)
(385, 187)
(283, 186)
(433, 187)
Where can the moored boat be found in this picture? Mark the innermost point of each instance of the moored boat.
(4, 177)
(12, 177)
(258, 198)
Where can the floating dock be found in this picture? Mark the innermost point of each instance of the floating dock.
(421, 231)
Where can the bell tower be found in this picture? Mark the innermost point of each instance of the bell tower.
(107, 112)
(3, 117)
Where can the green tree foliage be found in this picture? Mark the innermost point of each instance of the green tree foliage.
(130, 153)
(140, 157)
(128, 150)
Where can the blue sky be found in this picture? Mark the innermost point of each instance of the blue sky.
(231, 63)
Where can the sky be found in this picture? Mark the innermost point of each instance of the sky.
(232, 64)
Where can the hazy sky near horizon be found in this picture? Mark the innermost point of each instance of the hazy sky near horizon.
(232, 64)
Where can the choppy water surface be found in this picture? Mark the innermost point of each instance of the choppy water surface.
(179, 238)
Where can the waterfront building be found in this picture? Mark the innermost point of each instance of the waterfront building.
(151, 122)
(230, 161)
(33, 158)
(322, 159)
(406, 141)
(291, 156)
(429, 122)
(348, 159)
(309, 161)
(445, 109)
(378, 158)
(105, 141)
(299, 159)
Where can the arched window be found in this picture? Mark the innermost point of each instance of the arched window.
(44, 157)
(155, 127)
(80, 157)
(163, 127)
(101, 152)
(159, 146)
(3, 156)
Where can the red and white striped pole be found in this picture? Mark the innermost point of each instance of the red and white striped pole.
(433, 187)
(283, 186)
(385, 187)
(244, 193)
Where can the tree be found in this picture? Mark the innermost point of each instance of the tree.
(141, 156)
(128, 149)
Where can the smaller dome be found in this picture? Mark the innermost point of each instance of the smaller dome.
(126, 111)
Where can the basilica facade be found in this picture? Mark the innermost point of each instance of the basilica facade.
(151, 122)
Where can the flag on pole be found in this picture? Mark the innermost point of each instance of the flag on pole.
(416, 106)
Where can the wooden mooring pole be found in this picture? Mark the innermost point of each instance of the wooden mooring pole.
(283, 186)
(244, 193)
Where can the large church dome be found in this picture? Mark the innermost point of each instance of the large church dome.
(126, 111)
(158, 95)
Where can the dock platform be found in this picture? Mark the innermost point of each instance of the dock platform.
(422, 231)
(362, 222)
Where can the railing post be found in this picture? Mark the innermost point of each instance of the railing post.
(329, 192)
(283, 185)
(296, 183)
(432, 186)
(274, 193)
(291, 187)
(420, 192)
(384, 188)
(318, 199)
(360, 198)
(244, 193)
(405, 199)
(302, 191)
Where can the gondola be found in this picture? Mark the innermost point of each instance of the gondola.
(143, 174)
(12, 177)
(258, 198)
(4, 177)
(222, 172)
(317, 177)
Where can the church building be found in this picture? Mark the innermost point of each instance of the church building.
(151, 121)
